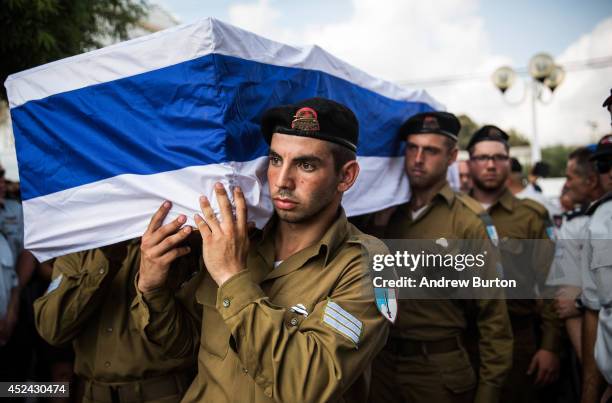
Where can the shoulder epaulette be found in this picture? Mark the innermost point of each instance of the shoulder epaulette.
(535, 206)
(470, 203)
(605, 198)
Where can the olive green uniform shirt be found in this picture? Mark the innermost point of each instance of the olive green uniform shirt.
(455, 216)
(254, 347)
(520, 223)
(88, 304)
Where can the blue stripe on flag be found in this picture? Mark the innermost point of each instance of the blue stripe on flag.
(199, 112)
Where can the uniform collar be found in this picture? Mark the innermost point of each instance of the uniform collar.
(506, 200)
(447, 194)
(326, 246)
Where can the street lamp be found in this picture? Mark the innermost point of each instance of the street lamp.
(545, 74)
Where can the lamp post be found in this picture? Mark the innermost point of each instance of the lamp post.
(545, 74)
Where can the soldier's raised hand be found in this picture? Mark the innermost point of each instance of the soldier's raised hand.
(225, 244)
(160, 247)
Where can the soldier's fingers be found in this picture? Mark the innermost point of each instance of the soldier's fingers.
(202, 226)
(175, 253)
(171, 242)
(166, 230)
(209, 215)
(542, 374)
(158, 217)
(225, 207)
(241, 211)
(532, 366)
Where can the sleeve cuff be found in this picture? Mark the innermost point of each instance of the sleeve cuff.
(551, 341)
(236, 293)
(144, 305)
(487, 394)
(157, 300)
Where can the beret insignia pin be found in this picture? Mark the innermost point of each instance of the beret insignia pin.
(305, 119)
(431, 123)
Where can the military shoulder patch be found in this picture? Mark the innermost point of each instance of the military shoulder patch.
(54, 283)
(342, 322)
(386, 302)
(492, 232)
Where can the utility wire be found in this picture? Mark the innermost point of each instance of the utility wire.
(579, 65)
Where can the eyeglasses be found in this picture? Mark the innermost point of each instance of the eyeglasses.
(483, 158)
(603, 165)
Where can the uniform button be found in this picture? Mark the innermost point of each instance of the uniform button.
(226, 302)
(294, 322)
(109, 329)
(107, 364)
(268, 391)
(246, 371)
(101, 271)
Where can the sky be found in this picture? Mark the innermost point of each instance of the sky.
(409, 42)
(418, 43)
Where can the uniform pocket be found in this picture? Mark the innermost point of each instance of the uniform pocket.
(456, 372)
(215, 334)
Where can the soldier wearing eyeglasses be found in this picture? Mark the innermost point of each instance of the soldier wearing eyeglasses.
(519, 224)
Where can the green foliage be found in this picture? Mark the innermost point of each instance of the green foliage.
(556, 157)
(469, 127)
(517, 139)
(35, 32)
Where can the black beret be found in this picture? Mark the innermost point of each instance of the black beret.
(515, 165)
(608, 100)
(443, 123)
(604, 148)
(318, 118)
(488, 133)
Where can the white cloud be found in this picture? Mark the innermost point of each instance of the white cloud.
(407, 40)
(260, 18)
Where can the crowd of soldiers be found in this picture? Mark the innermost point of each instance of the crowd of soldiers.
(224, 312)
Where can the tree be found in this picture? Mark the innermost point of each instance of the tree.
(468, 127)
(556, 157)
(35, 32)
(517, 139)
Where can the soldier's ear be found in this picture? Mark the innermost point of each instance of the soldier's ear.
(348, 175)
(453, 155)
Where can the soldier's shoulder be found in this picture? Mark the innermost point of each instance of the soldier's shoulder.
(468, 203)
(575, 213)
(368, 243)
(605, 202)
(534, 207)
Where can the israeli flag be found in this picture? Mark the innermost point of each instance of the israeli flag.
(104, 137)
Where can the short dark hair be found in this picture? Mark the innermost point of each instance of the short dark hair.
(449, 143)
(584, 165)
(341, 155)
(471, 149)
